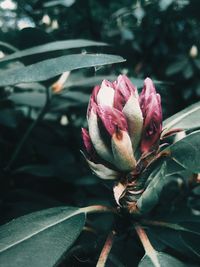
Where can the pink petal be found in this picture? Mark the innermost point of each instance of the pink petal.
(87, 141)
(123, 90)
(147, 90)
(112, 119)
(93, 98)
(150, 103)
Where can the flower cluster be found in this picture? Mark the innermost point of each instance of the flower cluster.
(123, 126)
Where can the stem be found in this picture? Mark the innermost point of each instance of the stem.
(29, 131)
(106, 250)
(98, 208)
(8, 46)
(149, 250)
(144, 239)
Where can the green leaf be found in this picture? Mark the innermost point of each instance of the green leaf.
(38, 170)
(49, 68)
(181, 236)
(31, 99)
(192, 242)
(186, 152)
(65, 3)
(184, 226)
(160, 260)
(163, 172)
(151, 195)
(186, 119)
(176, 67)
(41, 238)
(75, 80)
(52, 46)
(7, 46)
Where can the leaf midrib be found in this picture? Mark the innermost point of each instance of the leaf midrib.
(41, 230)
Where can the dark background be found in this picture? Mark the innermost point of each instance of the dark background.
(159, 39)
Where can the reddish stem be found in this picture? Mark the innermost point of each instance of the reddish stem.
(106, 250)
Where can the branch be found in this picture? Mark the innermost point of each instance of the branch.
(149, 250)
(29, 131)
(106, 250)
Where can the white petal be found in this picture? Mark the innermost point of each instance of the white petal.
(102, 171)
(118, 190)
(123, 152)
(105, 95)
(101, 148)
(134, 118)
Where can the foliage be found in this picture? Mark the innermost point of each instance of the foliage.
(50, 202)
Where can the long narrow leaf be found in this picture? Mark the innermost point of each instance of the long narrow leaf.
(40, 238)
(52, 46)
(49, 68)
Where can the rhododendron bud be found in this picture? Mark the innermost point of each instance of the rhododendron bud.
(150, 104)
(121, 126)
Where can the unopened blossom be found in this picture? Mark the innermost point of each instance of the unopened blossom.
(193, 51)
(150, 104)
(122, 126)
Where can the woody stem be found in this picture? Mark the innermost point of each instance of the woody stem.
(106, 250)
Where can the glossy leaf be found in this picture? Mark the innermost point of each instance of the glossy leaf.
(40, 238)
(50, 47)
(150, 196)
(161, 260)
(75, 80)
(176, 67)
(49, 68)
(38, 170)
(32, 99)
(182, 239)
(186, 119)
(7, 46)
(186, 152)
(192, 241)
(65, 3)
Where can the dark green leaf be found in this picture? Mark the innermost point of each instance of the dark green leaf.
(151, 195)
(38, 170)
(179, 238)
(66, 3)
(176, 67)
(188, 71)
(75, 80)
(52, 46)
(40, 238)
(160, 260)
(47, 69)
(32, 99)
(186, 119)
(8, 46)
(192, 241)
(9, 117)
(186, 152)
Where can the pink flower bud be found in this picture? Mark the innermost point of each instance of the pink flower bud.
(88, 144)
(112, 119)
(123, 90)
(118, 121)
(93, 98)
(150, 104)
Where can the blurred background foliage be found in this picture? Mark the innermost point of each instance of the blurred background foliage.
(158, 38)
